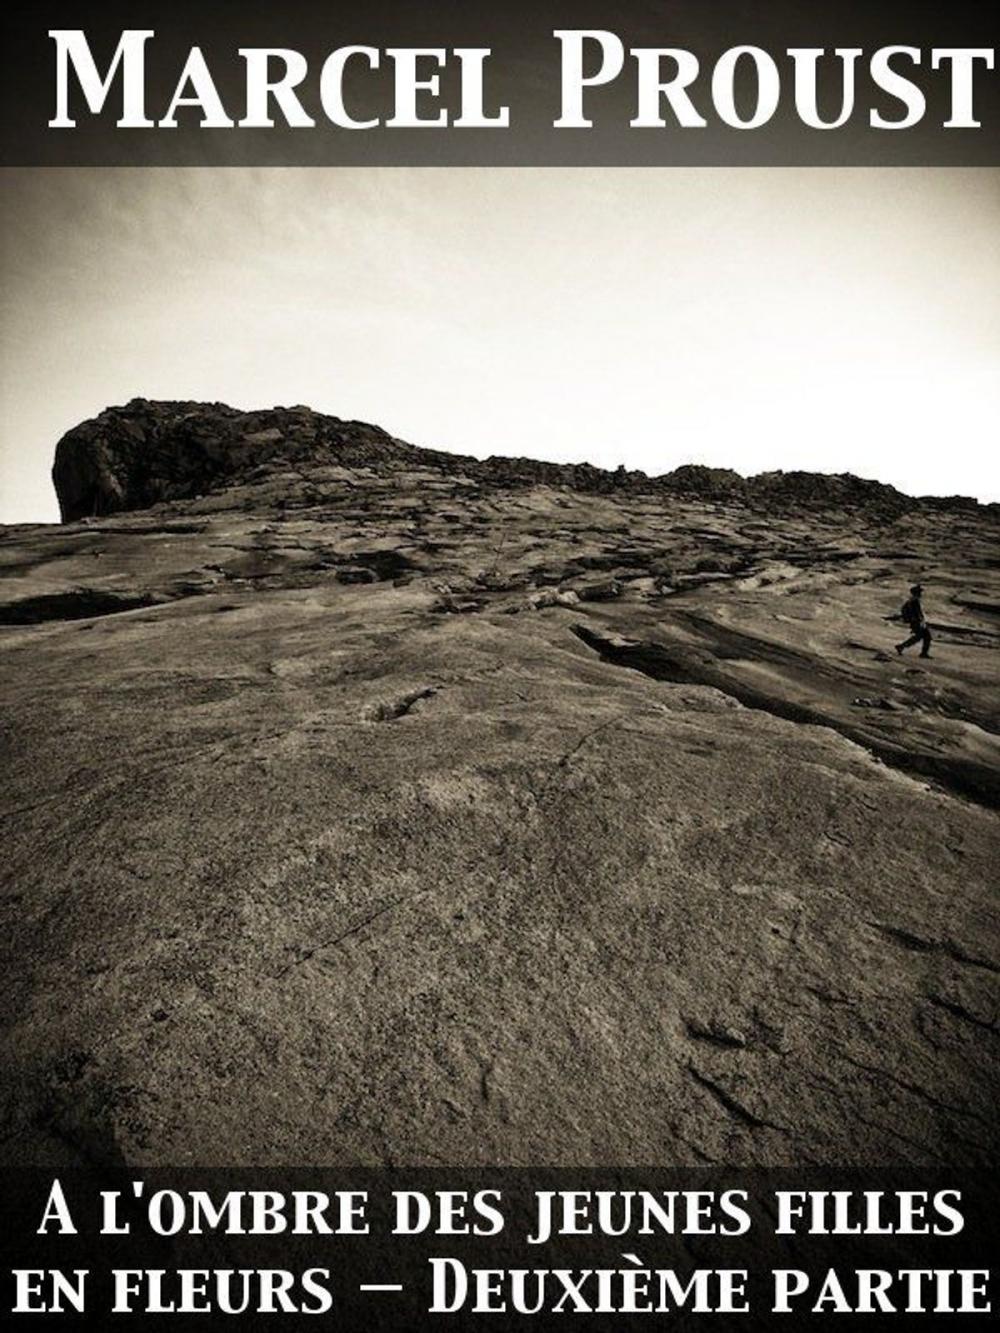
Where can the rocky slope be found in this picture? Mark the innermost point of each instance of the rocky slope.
(144, 453)
(367, 804)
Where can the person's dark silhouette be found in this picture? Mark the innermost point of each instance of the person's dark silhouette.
(912, 614)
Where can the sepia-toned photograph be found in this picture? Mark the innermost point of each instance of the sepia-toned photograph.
(564, 730)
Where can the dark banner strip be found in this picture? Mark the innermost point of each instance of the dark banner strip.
(500, 1248)
(557, 83)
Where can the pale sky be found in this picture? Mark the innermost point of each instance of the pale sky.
(827, 319)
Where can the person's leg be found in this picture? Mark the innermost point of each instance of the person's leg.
(908, 643)
(925, 634)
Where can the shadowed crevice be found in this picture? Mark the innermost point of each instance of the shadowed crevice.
(683, 665)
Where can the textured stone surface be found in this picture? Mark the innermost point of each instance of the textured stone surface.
(341, 827)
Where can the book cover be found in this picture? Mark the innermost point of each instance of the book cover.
(499, 621)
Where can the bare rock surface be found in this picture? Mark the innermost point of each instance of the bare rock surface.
(370, 805)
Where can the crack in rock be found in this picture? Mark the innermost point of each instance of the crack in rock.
(959, 1011)
(393, 709)
(730, 1104)
(717, 1034)
(919, 944)
(304, 955)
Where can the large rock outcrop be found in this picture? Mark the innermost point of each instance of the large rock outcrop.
(146, 453)
(139, 455)
(369, 805)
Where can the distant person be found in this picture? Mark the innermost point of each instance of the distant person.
(912, 614)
